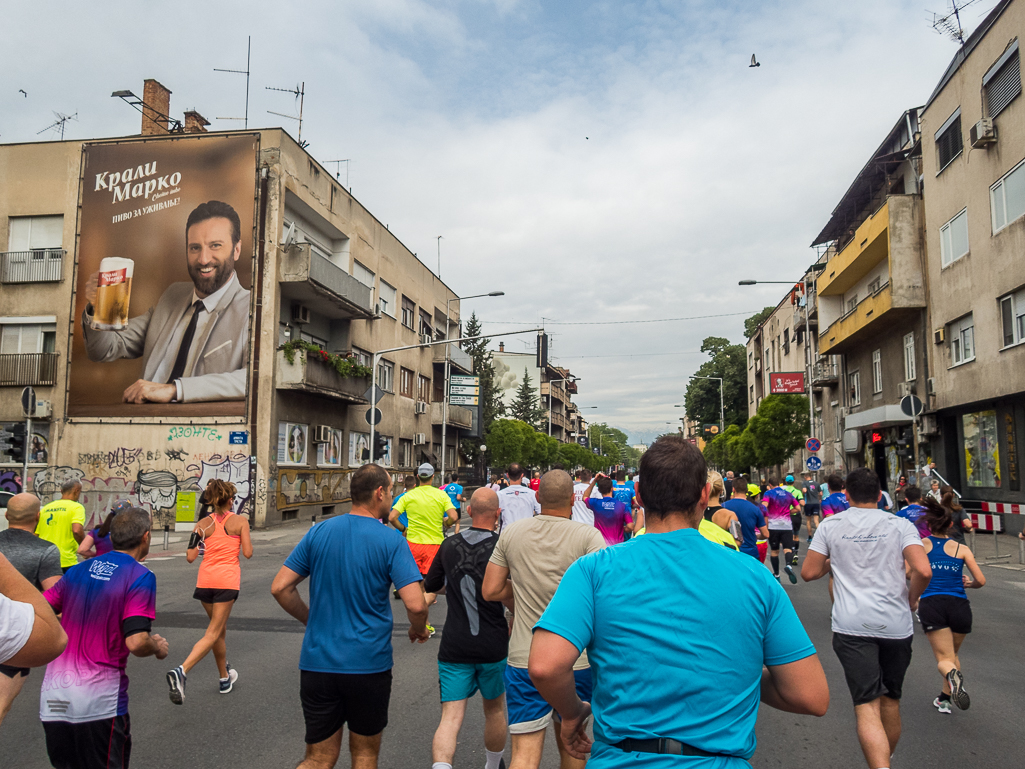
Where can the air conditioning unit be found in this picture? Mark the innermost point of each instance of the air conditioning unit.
(377, 309)
(927, 425)
(300, 314)
(421, 407)
(44, 410)
(322, 434)
(852, 441)
(982, 134)
(425, 339)
(903, 389)
(420, 439)
(930, 385)
(939, 335)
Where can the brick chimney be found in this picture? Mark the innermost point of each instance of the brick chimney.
(501, 346)
(159, 98)
(195, 123)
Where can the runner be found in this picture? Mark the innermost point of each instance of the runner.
(455, 493)
(715, 513)
(534, 553)
(812, 504)
(408, 484)
(779, 504)
(795, 515)
(535, 481)
(62, 522)
(611, 516)
(107, 606)
(914, 511)
(944, 610)
(476, 639)
(429, 512)
(97, 541)
(623, 491)
(346, 659)
(515, 500)
(224, 534)
(752, 521)
(962, 520)
(581, 512)
(866, 549)
(836, 502)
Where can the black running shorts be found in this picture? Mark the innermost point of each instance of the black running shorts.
(784, 538)
(332, 700)
(811, 510)
(12, 672)
(215, 595)
(874, 667)
(945, 611)
(103, 744)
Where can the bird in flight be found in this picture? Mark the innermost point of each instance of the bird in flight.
(22, 91)
(754, 61)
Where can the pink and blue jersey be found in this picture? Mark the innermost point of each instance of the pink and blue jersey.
(610, 515)
(778, 503)
(95, 598)
(916, 514)
(834, 503)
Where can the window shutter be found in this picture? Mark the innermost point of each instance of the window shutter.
(1004, 86)
(950, 142)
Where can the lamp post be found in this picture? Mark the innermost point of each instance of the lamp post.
(448, 367)
(550, 383)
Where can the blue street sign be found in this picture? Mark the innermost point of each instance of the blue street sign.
(238, 437)
(813, 445)
(814, 463)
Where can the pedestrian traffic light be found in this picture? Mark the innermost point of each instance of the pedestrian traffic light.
(18, 441)
(380, 446)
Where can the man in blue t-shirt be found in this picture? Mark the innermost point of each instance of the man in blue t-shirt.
(752, 522)
(346, 659)
(622, 491)
(705, 703)
(455, 492)
(915, 511)
(836, 501)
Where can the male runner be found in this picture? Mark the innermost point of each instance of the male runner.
(779, 504)
(795, 517)
(866, 549)
(581, 483)
(429, 512)
(914, 511)
(812, 502)
(476, 639)
(836, 501)
(534, 553)
(455, 493)
(62, 522)
(752, 521)
(611, 516)
(623, 491)
(516, 501)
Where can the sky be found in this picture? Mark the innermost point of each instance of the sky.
(599, 162)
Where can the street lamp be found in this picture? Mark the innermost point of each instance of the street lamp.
(550, 383)
(448, 367)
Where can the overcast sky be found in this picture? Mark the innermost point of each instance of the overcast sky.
(604, 161)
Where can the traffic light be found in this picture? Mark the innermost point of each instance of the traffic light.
(18, 443)
(542, 351)
(380, 446)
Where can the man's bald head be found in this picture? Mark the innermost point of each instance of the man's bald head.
(23, 509)
(484, 508)
(555, 493)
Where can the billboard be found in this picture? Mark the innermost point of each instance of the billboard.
(786, 382)
(161, 317)
(509, 370)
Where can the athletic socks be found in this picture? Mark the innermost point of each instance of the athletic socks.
(441, 765)
(775, 564)
(944, 697)
(494, 758)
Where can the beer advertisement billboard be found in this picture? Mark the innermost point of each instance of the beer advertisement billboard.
(161, 321)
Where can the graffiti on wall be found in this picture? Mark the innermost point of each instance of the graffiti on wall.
(299, 487)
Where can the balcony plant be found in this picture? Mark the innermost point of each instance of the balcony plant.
(346, 366)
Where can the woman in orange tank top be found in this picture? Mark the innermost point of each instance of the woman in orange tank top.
(223, 534)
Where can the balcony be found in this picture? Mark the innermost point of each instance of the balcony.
(19, 370)
(560, 420)
(45, 265)
(318, 378)
(458, 358)
(825, 373)
(457, 415)
(307, 277)
(558, 392)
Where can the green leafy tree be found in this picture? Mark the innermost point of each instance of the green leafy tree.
(728, 362)
(505, 442)
(526, 406)
(751, 324)
(492, 406)
(779, 428)
(742, 452)
(717, 451)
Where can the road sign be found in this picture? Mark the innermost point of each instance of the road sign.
(583, 441)
(912, 405)
(813, 445)
(28, 402)
(814, 463)
(460, 379)
(456, 389)
(373, 416)
(464, 400)
(373, 394)
(238, 437)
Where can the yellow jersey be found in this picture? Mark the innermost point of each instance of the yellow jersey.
(713, 533)
(425, 508)
(54, 526)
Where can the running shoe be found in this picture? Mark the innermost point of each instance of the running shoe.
(176, 682)
(941, 705)
(790, 574)
(957, 693)
(430, 631)
(229, 682)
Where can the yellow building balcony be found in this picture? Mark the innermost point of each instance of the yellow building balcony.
(867, 248)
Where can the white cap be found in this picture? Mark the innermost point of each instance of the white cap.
(426, 470)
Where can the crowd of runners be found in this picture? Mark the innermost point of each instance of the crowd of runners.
(568, 599)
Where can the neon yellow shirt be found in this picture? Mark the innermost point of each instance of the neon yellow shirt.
(713, 533)
(425, 507)
(54, 526)
(795, 493)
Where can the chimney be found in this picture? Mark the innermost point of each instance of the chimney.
(195, 123)
(501, 346)
(156, 99)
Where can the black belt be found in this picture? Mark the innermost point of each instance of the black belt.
(665, 746)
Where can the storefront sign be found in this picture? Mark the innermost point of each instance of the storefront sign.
(1013, 478)
(786, 382)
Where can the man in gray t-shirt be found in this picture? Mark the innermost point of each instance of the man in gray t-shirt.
(36, 560)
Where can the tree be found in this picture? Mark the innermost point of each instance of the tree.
(505, 442)
(751, 324)
(779, 428)
(526, 406)
(702, 399)
(717, 450)
(491, 401)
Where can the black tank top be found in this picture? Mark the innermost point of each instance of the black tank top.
(710, 511)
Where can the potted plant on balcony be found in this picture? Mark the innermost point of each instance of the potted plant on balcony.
(346, 366)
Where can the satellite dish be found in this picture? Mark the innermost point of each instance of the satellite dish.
(289, 236)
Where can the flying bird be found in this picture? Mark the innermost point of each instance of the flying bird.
(754, 61)
(22, 91)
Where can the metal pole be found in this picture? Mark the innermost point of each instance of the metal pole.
(373, 392)
(996, 543)
(808, 355)
(444, 402)
(26, 451)
(1021, 551)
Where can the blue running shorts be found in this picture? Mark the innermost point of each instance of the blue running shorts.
(461, 681)
(528, 711)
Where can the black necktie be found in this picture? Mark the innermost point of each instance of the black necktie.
(183, 349)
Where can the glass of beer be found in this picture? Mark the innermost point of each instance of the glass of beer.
(113, 292)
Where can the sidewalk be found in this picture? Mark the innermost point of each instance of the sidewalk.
(986, 550)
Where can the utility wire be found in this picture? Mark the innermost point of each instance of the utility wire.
(547, 322)
(627, 355)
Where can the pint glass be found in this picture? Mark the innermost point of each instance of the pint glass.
(113, 292)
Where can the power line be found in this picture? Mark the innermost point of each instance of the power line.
(634, 355)
(547, 322)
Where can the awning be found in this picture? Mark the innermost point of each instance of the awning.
(880, 416)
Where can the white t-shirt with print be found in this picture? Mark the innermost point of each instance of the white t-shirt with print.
(581, 512)
(16, 622)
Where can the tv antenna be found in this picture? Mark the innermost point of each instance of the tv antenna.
(58, 124)
(338, 170)
(300, 94)
(249, 48)
(950, 24)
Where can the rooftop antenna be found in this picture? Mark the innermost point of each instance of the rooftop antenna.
(440, 237)
(950, 24)
(58, 124)
(174, 125)
(300, 94)
(249, 48)
(338, 170)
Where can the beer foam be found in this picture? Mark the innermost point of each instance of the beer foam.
(112, 263)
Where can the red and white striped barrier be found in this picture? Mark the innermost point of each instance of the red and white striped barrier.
(984, 522)
(1003, 507)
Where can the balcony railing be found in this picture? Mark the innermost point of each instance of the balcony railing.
(313, 375)
(43, 265)
(18, 369)
(458, 416)
(824, 373)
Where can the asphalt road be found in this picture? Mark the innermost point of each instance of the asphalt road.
(260, 723)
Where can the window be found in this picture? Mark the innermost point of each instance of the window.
(949, 141)
(388, 299)
(980, 448)
(362, 274)
(408, 312)
(855, 380)
(909, 357)
(405, 453)
(954, 238)
(330, 454)
(423, 389)
(27, 338)
(292, 443)
(961, 334)
(877, 371)
(312, 339)
(426, 329)
(359, 448)
(1007, 198)
(386, 375)
(406, 382)
(751, 396)
(1003, 81)
(362, 357)
(35, 233)
(852, 304)
(1012, 317)
(875, 285)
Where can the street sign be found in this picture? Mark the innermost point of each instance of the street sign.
(814, 463)
(460, 379)
(373, 394)
(456, 389)
(373, 416)
(28, 402)
(813, 445)
(582, 440)
(464, 400)
(238, 437)
(912, 405)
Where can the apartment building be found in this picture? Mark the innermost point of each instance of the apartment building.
(278, 406)
(555, 386)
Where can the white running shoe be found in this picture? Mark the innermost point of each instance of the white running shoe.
(941, 705)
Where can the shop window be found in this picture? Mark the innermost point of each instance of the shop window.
(982, 465)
